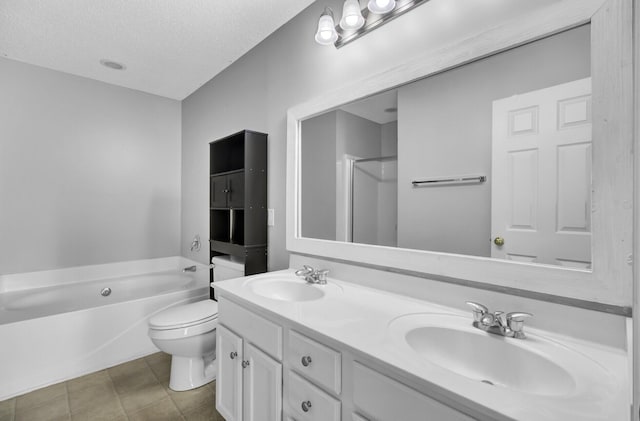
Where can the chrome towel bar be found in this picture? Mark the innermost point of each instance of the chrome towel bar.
(454, 179)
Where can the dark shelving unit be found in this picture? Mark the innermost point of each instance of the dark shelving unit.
(238, 199)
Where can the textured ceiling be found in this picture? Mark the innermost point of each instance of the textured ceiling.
(169, 47)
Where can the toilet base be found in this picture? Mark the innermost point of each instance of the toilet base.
(190, 373)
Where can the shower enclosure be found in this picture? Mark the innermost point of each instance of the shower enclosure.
(374, 200)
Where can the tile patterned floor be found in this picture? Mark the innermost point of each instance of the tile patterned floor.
(133, 391)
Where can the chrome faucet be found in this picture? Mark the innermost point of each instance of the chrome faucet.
(313, 276)
(510, 325)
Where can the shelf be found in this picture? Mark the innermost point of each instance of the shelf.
(238, 199)
(227, 225)
(226, 172)
(227, 154)
(234, 249)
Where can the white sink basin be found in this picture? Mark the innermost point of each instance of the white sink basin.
(534, 366)
(490, 359)
(289, 289)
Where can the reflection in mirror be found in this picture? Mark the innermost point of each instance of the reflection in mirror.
(489, 159)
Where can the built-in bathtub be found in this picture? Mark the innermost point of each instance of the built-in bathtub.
(57, 325)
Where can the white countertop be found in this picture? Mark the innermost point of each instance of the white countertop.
(359, 318)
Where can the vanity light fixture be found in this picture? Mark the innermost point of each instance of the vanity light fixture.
(356, 21)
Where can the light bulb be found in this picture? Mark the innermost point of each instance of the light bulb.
(326, 33)
(381, 7)
(352, 18)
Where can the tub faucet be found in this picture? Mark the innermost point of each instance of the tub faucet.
(313, 276)
(510, 325)
(189, 269)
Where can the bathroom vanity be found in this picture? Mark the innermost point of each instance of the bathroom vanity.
(291, 350)
(386, 347)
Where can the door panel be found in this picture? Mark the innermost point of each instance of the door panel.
(218, 191)
(229, 381)
(574, 180)
(235, 184)
(263, 386)
(523, 174)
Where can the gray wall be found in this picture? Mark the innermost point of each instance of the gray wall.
(319, 177)
(327, 139)
(357, 136)
(388, 189)
(89, 172)
(286, 69)
(445, 125)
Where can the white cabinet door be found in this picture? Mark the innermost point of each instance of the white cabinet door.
(229, 382)
(262, 386)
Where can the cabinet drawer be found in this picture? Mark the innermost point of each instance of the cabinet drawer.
(263, 333)
(315, 361)
(320, 406)
(385, 399)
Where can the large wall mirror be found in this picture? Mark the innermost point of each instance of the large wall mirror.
(510, 169)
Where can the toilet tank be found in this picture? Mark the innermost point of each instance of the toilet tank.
(225, 268)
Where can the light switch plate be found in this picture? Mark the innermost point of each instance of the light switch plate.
(271, 217)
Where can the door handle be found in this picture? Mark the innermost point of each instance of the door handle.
(498, 241)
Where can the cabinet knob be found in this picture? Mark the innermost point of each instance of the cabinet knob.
(306, 406)
(233, 355)
(498, 241)
(306, 360)
(245, 364)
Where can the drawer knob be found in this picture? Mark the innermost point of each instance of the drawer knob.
(306, 360)
(306, 406)
(245, 364)
(233, 355)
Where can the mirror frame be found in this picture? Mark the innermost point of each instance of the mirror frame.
(608, 286)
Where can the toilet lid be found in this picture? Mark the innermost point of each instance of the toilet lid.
(185, 315)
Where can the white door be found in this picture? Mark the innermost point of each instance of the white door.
(229, 381)
(541, 176)
(262, 386)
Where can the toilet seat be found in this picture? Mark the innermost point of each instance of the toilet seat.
(185, 315)
(185, 320)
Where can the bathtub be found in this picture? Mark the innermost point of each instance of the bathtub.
(57, 325)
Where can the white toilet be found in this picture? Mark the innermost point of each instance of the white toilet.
(188, 333)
